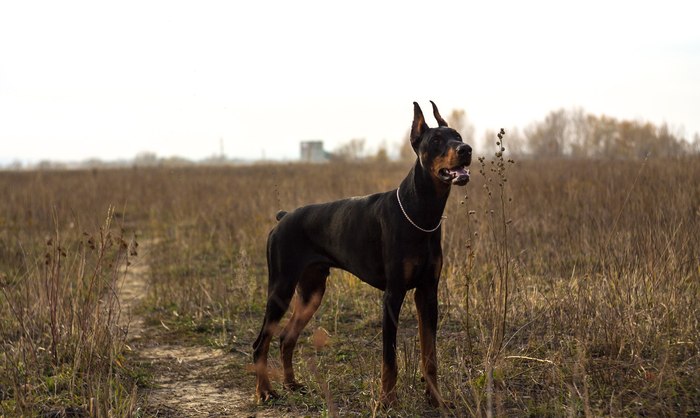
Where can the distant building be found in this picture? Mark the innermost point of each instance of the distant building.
(312, 152)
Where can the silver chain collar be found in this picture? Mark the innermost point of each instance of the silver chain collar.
(442, 218)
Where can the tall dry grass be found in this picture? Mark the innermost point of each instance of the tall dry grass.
(61, 256)
(603, 290)
(601, 315)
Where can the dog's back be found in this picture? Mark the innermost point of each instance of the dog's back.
(342, 234)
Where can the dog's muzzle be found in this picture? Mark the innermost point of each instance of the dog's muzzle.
(459, 176)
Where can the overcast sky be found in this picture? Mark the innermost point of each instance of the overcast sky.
(109, 80)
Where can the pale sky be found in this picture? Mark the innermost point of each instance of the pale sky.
(106, 80)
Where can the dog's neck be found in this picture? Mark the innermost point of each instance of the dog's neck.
(423, 197)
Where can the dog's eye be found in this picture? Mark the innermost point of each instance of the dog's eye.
(435, 140)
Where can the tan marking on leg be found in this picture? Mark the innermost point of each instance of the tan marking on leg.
(388, 396)
(273, 329)
(263, 388)
(429, 365)
(300, 317)
(428, 355)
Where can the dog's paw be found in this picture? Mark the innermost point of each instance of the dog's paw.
(266, 395)
(295, 386)
(389, 400)
(436, 401)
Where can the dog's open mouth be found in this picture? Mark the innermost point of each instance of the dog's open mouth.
(458, 176)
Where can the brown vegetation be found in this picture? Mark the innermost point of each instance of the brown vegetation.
(569, 286)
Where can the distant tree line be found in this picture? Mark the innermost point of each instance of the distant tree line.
(575, 133)
(142, 159)
(350, 151)
(563, 133)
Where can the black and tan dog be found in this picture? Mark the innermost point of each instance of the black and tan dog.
(389, 240)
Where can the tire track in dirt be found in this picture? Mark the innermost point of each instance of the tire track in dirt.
(187, 381)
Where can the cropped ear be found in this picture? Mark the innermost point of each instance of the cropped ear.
(438, 118)
(419, 126)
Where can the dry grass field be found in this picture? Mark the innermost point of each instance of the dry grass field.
(570, 287)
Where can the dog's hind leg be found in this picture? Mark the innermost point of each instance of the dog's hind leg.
(310, 290)
(282, 282)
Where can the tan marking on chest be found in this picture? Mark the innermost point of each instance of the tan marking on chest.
(438, 267)
(409, 268)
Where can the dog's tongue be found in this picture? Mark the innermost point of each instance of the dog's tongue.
(460, 174)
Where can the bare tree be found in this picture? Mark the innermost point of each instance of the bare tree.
(547, 139)
(353, 150)
(515, 142)
(458, 121)
(382, 156)
(576, 133)
(406, 152)
(146, 158)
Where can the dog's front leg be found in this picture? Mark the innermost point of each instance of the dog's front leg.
(393, 299)
(427, 307)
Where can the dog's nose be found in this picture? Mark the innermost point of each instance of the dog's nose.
(464, 150)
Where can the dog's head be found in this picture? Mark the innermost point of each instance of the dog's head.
(440, 150)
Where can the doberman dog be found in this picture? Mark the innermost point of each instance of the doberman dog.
(389, 240)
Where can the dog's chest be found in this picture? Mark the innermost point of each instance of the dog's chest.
(419, 269)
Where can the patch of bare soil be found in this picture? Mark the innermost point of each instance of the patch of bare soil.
(187, 380)
(190, 381)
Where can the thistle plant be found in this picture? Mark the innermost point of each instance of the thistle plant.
(495, 255)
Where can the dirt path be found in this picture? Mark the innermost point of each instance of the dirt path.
(187, 380)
